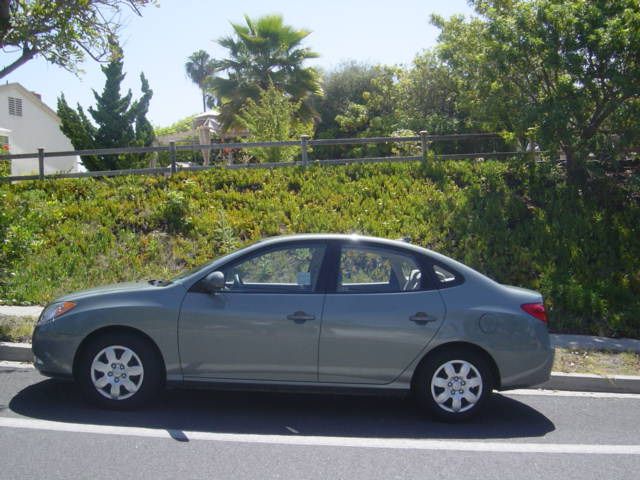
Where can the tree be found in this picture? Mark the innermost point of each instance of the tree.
(340, 87)
(273, 117)
(563, 69)
(145, 134)
(62, 32)
(200, 67)
(78, 129)
(429, 98)
(261, 53)
(375, 113)
(119, 122)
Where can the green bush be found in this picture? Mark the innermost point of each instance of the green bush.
(520, 225)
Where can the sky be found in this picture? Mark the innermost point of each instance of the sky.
(159, 42)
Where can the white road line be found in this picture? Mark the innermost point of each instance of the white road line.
(565, 393)
(300, 440)
(21, 365)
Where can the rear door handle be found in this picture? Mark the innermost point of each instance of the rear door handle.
(421, 318)
(300, 317)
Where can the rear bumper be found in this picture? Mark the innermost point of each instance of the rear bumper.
(534, 376)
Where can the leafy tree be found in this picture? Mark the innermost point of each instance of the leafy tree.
(261, 53)
(340, 87)
(62, 32)
(274, 117)
(429, 98)
(375, 113)
(566, 70)
(200, 67)
(119, 122)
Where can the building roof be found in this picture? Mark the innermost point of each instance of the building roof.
(35, 99)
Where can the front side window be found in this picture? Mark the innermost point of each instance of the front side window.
(377, 270)
(289, 269)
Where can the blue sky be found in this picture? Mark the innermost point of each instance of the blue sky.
(158, 43)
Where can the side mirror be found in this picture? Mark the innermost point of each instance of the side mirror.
(214, 281)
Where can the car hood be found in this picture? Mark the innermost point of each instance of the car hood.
(106, 289)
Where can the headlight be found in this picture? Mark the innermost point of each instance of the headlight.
(55, 310)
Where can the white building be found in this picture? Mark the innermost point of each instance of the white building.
(26, 124)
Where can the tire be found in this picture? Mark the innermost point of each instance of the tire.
(119, 370)
(453, 370)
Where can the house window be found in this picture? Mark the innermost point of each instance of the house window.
(15, 106)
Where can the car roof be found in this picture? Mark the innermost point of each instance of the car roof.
(338, 236)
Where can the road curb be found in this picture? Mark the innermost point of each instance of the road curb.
(583, 382)
(15, 352)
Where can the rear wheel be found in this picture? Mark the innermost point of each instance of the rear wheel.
(453, 385)
(119, 370)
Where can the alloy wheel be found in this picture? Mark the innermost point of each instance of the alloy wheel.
(456, 386)
(117, 372)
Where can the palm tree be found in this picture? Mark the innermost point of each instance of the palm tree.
(199, 68)
(262, 53)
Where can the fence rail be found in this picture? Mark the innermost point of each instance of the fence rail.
(424, 141)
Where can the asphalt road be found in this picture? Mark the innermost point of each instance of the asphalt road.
(46, 431)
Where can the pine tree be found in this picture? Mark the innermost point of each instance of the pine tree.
(144, 130)
(79, 130)
(114, 117)
(119, 122)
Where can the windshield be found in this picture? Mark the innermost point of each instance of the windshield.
(191, 271)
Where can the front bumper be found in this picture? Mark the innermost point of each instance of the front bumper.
(53, 352)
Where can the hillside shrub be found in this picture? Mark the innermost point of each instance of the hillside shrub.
(520, 225)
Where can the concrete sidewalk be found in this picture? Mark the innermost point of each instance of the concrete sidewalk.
(15, 311)
(591, 342)
(578, 342)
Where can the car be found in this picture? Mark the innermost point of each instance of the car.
(315, 312)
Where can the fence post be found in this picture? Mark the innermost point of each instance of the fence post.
(304, 143)
(424, 144)
(41, 163)
(172, 156)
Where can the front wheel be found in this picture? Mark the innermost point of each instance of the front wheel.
(453, 385)
(119, 370)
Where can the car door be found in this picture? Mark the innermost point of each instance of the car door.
(379, 314)
(265, 323)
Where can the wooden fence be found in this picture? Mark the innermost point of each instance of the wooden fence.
(422, 142)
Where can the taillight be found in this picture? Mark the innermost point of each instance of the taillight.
(536, 310)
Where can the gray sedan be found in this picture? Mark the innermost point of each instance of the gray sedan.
(309, 312)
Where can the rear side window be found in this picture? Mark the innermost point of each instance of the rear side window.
(377, 270)
(446, 277)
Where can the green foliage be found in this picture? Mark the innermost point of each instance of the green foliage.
(120, 122)
(183, 125)
(567, 68)
(375, 114)
(261, 53)
(340, 87)
(274, 117)
(519, 224)
(63, 33)
(174, 213)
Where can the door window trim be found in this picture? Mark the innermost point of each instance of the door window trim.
(333, 255)
(320, 286)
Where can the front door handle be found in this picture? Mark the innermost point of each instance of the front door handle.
(300, 317)
(421, 318)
